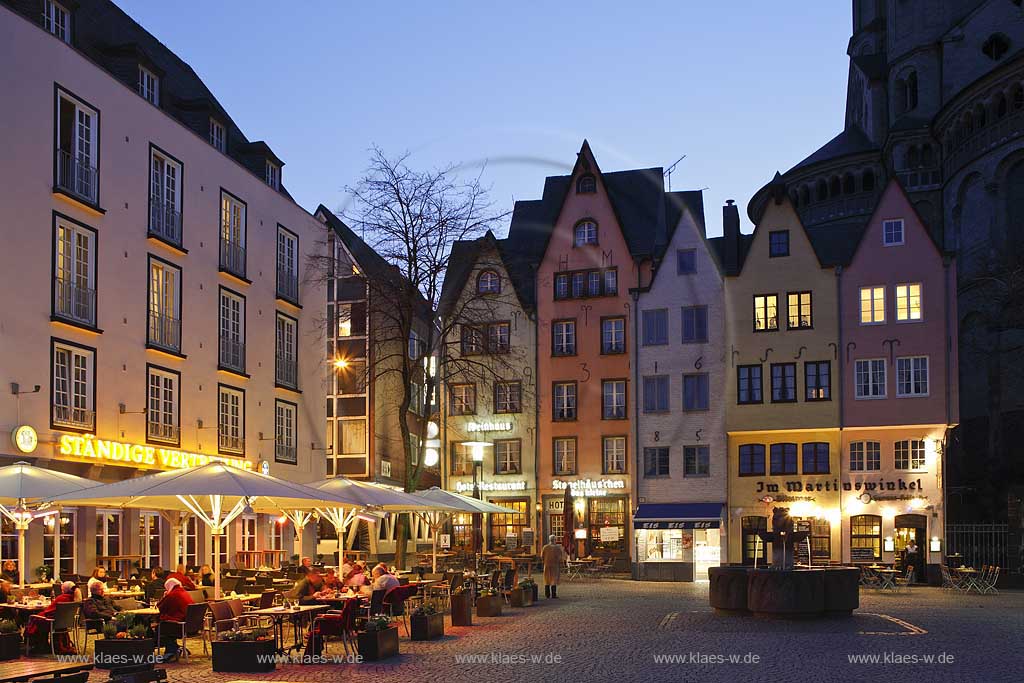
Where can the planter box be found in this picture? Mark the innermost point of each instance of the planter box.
(426, 626)
(376, 645)
(10, 646)
(462, 609)
(244, 656)
(488, 606)
(112, 653)
(521, 597)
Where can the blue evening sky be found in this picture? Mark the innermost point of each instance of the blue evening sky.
(742, 87)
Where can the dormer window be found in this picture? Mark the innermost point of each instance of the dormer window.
(273, 175)
(587, 184)
(218, 137)
(488, 282)
(892, 232)
(778, 243)
(149, 86)
(57, 20)
(585, 233)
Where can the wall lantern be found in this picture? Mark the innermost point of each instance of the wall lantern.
(889, 545)
(935, 545)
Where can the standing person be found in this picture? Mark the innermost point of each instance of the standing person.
(173, 607)
(910, 560)
(553, 555)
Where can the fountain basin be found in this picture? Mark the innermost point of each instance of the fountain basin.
(791, 593)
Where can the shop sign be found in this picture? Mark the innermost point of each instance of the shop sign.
(610, 534)
(833, 485)
(590, 488)
(467, 486)
(556, 505)
(25, 438)
(88, 447)
(662, 524)
(488, 426)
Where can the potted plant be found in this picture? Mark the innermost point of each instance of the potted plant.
(44, 573)
(10, 640)
(522, 595)
(378, 639)
(244, 651)
(125, 642)
(488, 603)
(462, 607)
(426, 623)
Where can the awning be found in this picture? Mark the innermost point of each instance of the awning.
(678, 516)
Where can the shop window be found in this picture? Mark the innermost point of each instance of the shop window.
(462, 532)
(66, 534)
(605, 513)
(508, 524)
(753, 547)
(865, 532)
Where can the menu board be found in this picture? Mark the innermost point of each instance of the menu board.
(445, 541)
(511, 541)
(862, 555)
(528, 538)
(800, 550)
(609, 534)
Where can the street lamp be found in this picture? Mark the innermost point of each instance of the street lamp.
(476, 452)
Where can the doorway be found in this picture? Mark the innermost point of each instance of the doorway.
(911, 528)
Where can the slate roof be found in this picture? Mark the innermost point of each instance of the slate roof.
(850, 141)
(836, 243)
(463, 258)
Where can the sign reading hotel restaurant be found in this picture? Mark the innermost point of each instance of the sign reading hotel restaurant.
(589, 488)
(488, 426)
(467, 486)
(138, 455)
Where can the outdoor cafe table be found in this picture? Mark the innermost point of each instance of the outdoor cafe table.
(303, 613)
(42, 586)
(120, 561)
(143, 611)
(119, 594)
(969, 575)
(24, 669)
(887, 578)
(30, 607)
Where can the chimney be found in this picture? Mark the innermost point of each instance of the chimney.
(731, 231)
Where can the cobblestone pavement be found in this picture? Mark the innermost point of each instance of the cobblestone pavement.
(612, 629)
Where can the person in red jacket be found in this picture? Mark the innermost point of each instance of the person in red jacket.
(38, 630)
(181, 576)
(173, 607)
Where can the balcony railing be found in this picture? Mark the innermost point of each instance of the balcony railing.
(232, 258)
(284, 453)
(227, 442)
(287, 371)
(77, 177)
(164, 331)
(74, 302)
(76, 418)
(232, 354)
(288, 284)
(164, 220)
(162, 432)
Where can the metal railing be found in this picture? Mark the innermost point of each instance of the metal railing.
(232, 257)
(161, 431)
(227, 442)
(73, 302)
(77, 418)
(164, 331)
(286, 371)
(232, 354)
(77, 177)
(288, 284)
(979, 544)
(164, 220)
(284, 453)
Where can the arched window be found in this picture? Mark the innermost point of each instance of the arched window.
(822, 191)
(980, 116)
(867, 181)
(849, 186)
(865, 537)
(912, 91)
(585, 233)
(805, 195)
(996, 46)
(488, 282)
(834, 187)
(913, 157)
(587, 184)
(927, 156)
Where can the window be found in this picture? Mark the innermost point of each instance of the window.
(232, 331)
(613, 399)
(892, 232)
(218, 137)
(996, 45)
(508, 457)
(285, 428)
(287, 265)
(149, 86)
(164, 197)
(273, 175)
(74, 387)
(164, 328)
(585, 233)
(471, 341)
(463, 399)
(77, 148)
(695, 324)
(57, 20)
(912, 376)
(232, 234)
(754, 549)
(488, 282)
(149, 538)
(696, 461)
(613, 450)
(583, 284)
(656, 462)
(818, 381)
(816, 458)
(783, 382)
(611, 282)
(613, 335)
(799, 310)
(564, 449)
(752, 460)
(696, 392)
(564, 404)
(586, 184)
(872, 305)
(74, 272)
(9, 539)
(910, 455)
(498, 337)
(108, 535)
(231, 420)
(63, 527)
(748, 384)
(656, 394)
(655, 327)
(766, 312)
(778, 243)
(247, 529)
(286, 364)
(508, 397)
(865, 456)
(866, 532)
(908, 302)
(462, 459)
(505, 524)
(188, 546)
(870, 378)
(162, 422)
(561, 286)
(686, 261)
(563, 341)
(782, 458)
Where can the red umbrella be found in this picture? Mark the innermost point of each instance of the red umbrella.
(569, 523)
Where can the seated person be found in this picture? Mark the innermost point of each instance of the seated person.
(155, 586)
(345, 569)
(6, 588)
(38, 630)
(357, 577)
(98, 607)
(100, 574)
(307, 587)
(173, 607)
(10, 571)
(206, 575)
(331, 580)
(382, 580)
(182, 578)
(306, 566)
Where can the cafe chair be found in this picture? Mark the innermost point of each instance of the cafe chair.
(89, 627)
(267, 599)
(394, 603)
(340, 623)
(193, 626)
(65, 620)
(223, 618)
(507, 585)
(905, 581)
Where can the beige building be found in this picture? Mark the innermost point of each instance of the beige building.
(157, 312)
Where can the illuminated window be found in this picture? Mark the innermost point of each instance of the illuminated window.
(908, 302)
(766, 312)
(910, 455)
(866, 532)
(799, 310)
(872, 305)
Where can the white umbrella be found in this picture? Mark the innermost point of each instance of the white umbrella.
(22, 486)
(454, 502)
(215, 493)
